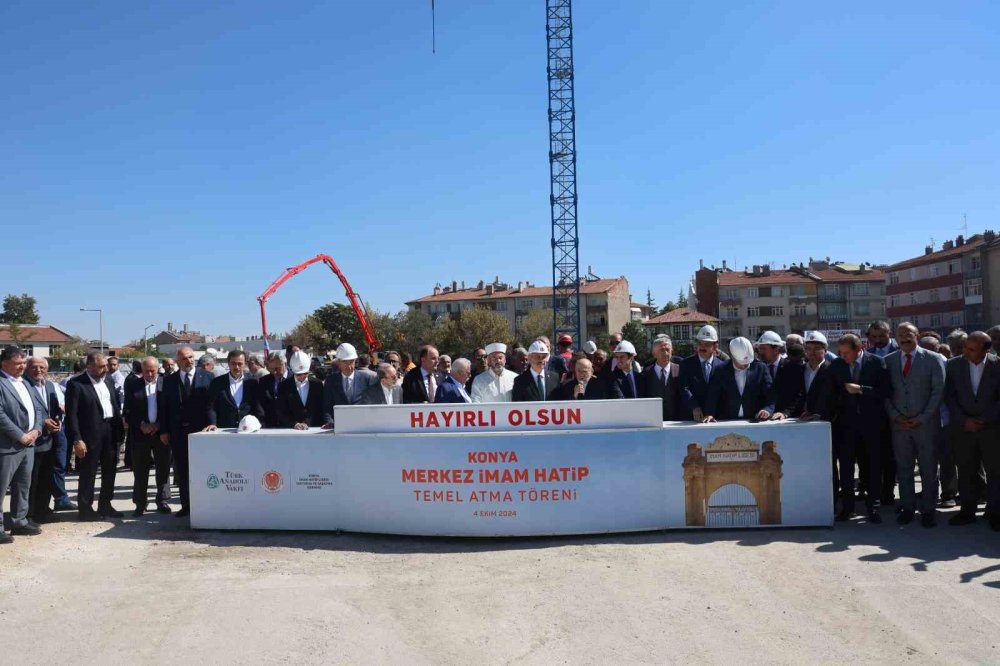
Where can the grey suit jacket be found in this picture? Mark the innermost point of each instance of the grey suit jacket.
(44, 443)
(919, 394)
(374, 395)
(14, 417)
(962, 403)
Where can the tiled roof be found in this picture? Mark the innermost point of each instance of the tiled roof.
(473, 294)
(681, 316)
(740, 279)
(35, 334)
(933, 257)
(833, 275)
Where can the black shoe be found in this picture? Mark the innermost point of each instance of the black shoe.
(888, 499)
(947, 503)
(26, 530)
(962, 519)
(874, 517)
(138, 512)
(5, 538)
(48, 517)
(899, 510)
(843, 516)
(87, 514)
(927, 520)
(66, 506)
(109, 512)
(163, 508)
(183, 513)
(905, 517)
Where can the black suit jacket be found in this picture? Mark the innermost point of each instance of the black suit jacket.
(525, 389)
(819, 397)
(269, 400)
(789, 388)
(136, 411)
(724, 400)
(414, 390)
(694, 388)
(595, 390)
(185, 413)
(866, 410)
(650, 386)
(223, 411)
(84, 415)
(963, 403)
(290, 408)
(619, 387)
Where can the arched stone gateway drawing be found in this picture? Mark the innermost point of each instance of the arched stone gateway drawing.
(734, 482)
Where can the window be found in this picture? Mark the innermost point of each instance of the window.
(956, 319)
(751, 292)
(799, 310)
(893, 301)
(753, 312)
(974, 287)
(975, 261)
(773, 311)
(862, 309)
(935, 295)
(527, 303)
(913, 273)
(879, 309)
(681, 332)
(893, 278)
(935, 269)
(833, 310)
(732, 312)
(953, 267)
(953, 293)
(797, 290)
(859, 289)
(730, 294)
(935, 321)
(913, 298)
(502, 305)
(753, 332)
(831, 290)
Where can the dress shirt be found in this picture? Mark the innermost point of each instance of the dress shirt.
(741, 384)
(25, 398)
(534, 379)
(461, 392)
(236, 389)
(150, 401)
(349, 387)
(104, 395)
(811, 374)
(426, 376)
(43, 394)
(387, 393)
(303, 389)
(663, 373)
(976, 375)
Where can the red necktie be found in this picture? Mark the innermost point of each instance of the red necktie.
(906, 366)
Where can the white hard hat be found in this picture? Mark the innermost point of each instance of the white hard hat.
(248, 424)
(707, 333)
(496, 347)
(741, 350)
(770, 338)
(816, 336)
(538, 347)
(346, 352)
(589, 347)
(625, 347)
(299, 363)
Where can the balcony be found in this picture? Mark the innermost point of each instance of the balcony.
(833, 316)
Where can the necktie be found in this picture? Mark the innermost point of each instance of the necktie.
(187, 383)
(854, 373)
(906, 366)
(431, 387)
(663, 375)
(708, 370)
(631, 383)
(771, 369)
(541, 386)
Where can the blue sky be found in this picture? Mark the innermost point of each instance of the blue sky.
(172, 158)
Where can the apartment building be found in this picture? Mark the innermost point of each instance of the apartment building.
(605, 303)
(939, 290)
(990, 280)
(765, 299)
(849, 296)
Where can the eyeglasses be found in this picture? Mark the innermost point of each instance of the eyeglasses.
(479, 358)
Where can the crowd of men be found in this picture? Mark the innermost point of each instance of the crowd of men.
(895, 406)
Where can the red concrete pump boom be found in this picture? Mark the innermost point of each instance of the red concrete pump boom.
(374, 344)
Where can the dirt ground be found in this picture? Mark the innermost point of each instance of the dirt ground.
(158, 592)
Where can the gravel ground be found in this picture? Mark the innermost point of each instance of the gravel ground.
(161, 593)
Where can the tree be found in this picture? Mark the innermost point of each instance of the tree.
(471, 329)
(635, 333)
(670, 305)
(309, 334)
(650, 303)
(536, 323)
(19, 310)
(682, 301)
(74, 348)
(18, 335)
(413, 328)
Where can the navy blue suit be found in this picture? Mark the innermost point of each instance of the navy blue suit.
(694, 388)
(448, 391)
(622, 385)
(724, 399)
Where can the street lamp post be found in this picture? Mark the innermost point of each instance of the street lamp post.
(145, 339)
(101, 312)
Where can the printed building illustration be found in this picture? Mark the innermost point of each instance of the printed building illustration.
(734, 482)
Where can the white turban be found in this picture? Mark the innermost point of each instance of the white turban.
(496, 347)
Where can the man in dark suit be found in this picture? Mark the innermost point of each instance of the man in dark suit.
(22, 421)
(452, 388)
(583, 386)
(269, 384)
(94, 428)
(185, 411)
(537, 383)
(769, 347)
(972, 391)
(233, 395)
(386, 391)
(43, 472)
(817, 403)
(300, 398)
(131, 381)
(420, 384)
(740, 389)
(347, 384)
(696, 372)
(789, 384)
(662, 378)
(623, 382)
(143, 404)
(860, 387)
